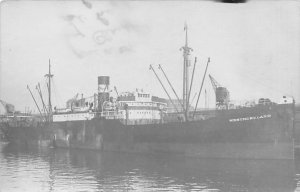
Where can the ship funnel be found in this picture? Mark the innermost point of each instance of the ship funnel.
(103, 91)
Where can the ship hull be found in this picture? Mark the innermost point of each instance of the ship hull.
(30, 134)
(264, 132)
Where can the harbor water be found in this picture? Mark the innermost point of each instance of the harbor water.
(42, 169)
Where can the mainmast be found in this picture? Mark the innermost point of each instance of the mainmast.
(186, 63)
(49, 76)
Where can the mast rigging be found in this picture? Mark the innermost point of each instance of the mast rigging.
(160, 67)
(38, 88)
(201, 87)
(35, 102)
(192, 80)
(186, 52)
(151, 68)
(49, 76)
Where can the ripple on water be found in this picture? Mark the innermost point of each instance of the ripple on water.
(67, 170)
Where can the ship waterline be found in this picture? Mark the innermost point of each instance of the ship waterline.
(269, 137)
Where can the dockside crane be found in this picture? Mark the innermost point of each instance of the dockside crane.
(222, 94)
(214, 83)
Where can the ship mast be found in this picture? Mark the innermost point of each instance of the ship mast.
(186, 63)
(49, 76)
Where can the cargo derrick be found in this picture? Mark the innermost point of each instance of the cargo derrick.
(187, 83)
(222, 94)
(187, 86)
(151, 68)
(37, 106)
(38, 88)
(178, 100)
(208, 60)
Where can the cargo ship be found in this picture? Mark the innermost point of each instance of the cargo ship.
(140, 122)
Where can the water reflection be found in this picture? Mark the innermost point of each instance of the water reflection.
(80, 170)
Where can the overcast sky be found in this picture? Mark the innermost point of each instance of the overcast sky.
(254, 47)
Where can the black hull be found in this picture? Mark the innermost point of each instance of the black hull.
(269, 137)
(35, 134)
(229, 134)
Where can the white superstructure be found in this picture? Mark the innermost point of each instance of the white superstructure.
(73, 116)
(135, 106)
(140, 105)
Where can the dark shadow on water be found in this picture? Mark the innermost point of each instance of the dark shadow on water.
(152, 172)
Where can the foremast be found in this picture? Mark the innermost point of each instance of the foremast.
(49, 76)
(186, 63)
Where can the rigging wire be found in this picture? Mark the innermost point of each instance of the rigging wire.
(56, 94)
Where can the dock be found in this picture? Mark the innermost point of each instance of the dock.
(297, 132)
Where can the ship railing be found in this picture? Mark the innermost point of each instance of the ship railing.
(111, 115)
